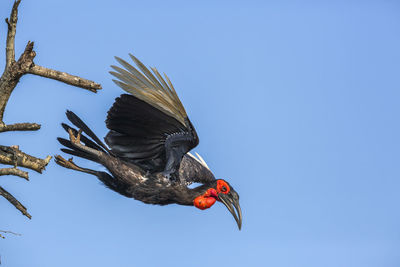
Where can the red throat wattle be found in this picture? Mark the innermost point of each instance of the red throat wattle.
(208, 199)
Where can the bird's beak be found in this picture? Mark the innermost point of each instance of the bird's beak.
(231, 201)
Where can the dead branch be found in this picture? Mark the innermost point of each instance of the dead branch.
(65, 78)
(15, 202)
(26, 126)
(12, 28)
(13, 71)
(14, 156)
(14, 171)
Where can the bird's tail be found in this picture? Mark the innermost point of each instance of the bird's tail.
(87, 147)
(92, 141)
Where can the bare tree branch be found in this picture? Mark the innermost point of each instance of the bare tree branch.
(14, 171)
(65, 78)
(14, 156)
(15, 202)
(14, 70)
(12, 27)
(12, 74)
(26, 126)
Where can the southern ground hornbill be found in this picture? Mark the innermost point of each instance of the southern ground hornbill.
(148, 148)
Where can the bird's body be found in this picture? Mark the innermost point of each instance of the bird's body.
(154, 188)
(147, 152)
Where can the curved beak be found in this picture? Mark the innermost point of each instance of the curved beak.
(231, 201)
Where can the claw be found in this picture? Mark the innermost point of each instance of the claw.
(75, 139)
(69, 164)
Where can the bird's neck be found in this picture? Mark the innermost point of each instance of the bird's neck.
(187, 196)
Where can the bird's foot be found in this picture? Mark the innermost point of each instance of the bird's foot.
(69, 164)
(75, 139)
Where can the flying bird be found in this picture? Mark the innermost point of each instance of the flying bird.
(147, 153)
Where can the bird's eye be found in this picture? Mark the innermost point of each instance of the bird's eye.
(222, 187)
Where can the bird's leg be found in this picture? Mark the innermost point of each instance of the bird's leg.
(76, 141)
(70, 164)
(104, 177)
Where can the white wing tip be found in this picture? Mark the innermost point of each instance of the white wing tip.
(199, 159)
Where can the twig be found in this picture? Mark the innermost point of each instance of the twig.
(15, 202)
(9, 232)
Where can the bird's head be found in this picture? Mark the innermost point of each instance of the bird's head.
(223, 192)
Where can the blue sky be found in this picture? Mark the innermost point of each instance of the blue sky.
(296, 104)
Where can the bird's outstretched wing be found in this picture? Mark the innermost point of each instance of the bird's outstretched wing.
(150, 126)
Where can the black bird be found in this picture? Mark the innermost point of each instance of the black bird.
(148, 148)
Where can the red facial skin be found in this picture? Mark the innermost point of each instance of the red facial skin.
(208, 199)
(223, 187)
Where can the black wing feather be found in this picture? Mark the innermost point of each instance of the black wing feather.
(146, 136)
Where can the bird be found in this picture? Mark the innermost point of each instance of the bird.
(147, 148)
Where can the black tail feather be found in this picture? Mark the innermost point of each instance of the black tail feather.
(79, 154)
(93, 142)
(65, 143)
(81, 125)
